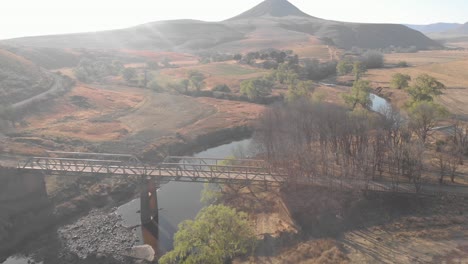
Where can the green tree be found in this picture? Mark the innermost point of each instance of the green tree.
(424, 116)
(154, 85)
(302, 89)
(400, 81)
(373, 59)
(116, 67)
(359, 68)
(425, 88)
(344, 67)
(360, 94)
(218, 234)
(196, 80)
(222, 88)
(129, 74)
(285, 74)
(256, 88)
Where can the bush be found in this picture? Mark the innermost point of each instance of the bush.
(155, 86)
(129, 74)
(400, 81)
(256, 88)
(315, 70)
(222, 88)
(344, 67)
(402, 64)
(373, 59)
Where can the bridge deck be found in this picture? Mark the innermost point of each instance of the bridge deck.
(248, 172)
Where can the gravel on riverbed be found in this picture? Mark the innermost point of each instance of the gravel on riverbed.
(100, 232)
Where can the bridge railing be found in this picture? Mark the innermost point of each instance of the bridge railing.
(79, 165)
(129, 159)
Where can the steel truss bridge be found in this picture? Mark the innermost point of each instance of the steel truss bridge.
(182, 169)
(208, 170)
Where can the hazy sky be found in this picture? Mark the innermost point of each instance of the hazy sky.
(41, 17)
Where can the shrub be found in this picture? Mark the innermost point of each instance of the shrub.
(373, 59)
(222, 88)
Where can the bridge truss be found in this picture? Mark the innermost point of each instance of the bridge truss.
(182, 169)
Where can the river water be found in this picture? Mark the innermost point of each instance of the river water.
(379, 104)
(177, 201)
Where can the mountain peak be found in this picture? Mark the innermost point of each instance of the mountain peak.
(274, 8)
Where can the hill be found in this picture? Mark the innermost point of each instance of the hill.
(163, 35)
(456, 37)
(274, 8)
(49, 58)
(462, 29)
(434, 28)
(20, 79)
(271, 24)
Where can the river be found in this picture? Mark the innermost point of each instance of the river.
(177, 201)
(379, 104)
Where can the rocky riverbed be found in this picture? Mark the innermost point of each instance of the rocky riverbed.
(100, 232)
(99, 237)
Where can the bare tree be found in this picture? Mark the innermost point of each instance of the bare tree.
(440, 162)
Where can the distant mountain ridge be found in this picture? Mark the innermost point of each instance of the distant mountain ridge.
(434, 28)
(462, 29)
(270, 24)
(457, 33)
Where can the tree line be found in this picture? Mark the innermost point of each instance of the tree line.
(316, 140)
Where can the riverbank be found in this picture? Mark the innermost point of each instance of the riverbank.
(71, 199)
(349, 227)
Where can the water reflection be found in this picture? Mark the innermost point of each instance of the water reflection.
(177, 201)
(379, 104)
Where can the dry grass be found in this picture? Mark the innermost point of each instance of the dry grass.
(410, 240)
(227, 114)
(324, 251)
(180, 59)
(447, 66)
(228, 73)
(426, 57)
(72, 118)
(314, 49)
(125, 119)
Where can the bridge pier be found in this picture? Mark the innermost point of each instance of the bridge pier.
(149, 200)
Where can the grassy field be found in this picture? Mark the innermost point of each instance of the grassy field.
(228, 73)
(131, 118)
(87, 113)
(314, 49)
(447, 66)
(426, 57)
